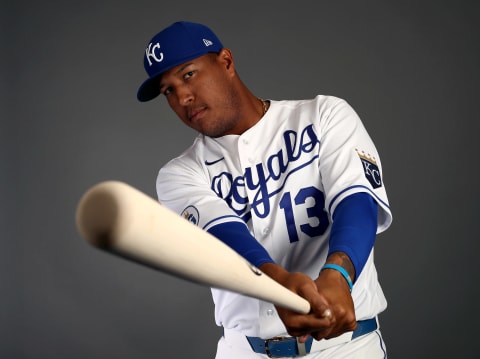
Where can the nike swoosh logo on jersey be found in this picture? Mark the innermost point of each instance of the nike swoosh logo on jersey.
(209, 163)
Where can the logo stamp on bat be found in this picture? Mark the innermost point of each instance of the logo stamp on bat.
(255, 270)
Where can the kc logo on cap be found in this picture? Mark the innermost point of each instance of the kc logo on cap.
(150, 53)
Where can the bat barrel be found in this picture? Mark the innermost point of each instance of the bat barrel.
(118, 218)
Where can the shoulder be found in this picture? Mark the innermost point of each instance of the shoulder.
(321, 109)
(203, 152)
(320, 103)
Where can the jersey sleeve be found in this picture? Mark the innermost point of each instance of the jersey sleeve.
(184, 187)
(349, 161)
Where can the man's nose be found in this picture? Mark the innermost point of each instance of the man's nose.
(185, 96)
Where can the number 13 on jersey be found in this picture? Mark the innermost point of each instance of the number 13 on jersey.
(313, 202)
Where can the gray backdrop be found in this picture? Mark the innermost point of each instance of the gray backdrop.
(69, 116)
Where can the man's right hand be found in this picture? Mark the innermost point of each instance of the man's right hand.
(319, 322)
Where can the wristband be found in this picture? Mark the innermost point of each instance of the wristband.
(342, 271)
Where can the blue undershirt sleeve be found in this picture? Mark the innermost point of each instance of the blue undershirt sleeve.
(354, 228)
(237, 236)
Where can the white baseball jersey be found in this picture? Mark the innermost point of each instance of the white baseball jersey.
(284, 178)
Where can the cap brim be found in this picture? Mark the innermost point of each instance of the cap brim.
(149, 89)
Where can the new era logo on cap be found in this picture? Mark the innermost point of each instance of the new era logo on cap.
(174, 45)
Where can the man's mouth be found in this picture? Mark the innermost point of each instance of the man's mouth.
(196, 113)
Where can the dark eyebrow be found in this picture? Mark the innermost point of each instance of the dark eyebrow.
(176, 73)
(183, 68)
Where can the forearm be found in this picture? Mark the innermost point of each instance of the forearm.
(353, 233)
(274, 271)
(344, 261)
(237, 236)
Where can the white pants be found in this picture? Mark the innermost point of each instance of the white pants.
(368, 346)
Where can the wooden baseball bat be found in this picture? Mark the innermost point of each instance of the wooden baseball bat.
(120, 219)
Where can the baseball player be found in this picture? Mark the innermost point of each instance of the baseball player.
(293, 186)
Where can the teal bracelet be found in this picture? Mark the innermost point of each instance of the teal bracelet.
(342, 271)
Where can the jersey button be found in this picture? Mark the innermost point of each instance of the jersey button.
(245, 141)
(266, 230)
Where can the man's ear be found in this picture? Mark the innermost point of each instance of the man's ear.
(225, 57)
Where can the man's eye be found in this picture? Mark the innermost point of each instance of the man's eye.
(188, 75)
(167, 91)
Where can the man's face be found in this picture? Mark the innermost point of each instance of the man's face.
(202, 94)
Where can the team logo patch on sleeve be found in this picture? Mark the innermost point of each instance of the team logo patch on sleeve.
(191, 214)
(370, 168)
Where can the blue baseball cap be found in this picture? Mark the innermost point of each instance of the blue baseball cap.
(174, 45)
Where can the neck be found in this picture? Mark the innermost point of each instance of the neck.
(250, 107)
